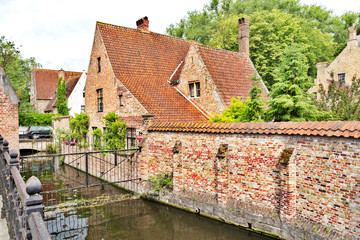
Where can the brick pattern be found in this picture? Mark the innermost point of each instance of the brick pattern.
(194, 70)
(9, 120)
(131, 110)
(320, 186)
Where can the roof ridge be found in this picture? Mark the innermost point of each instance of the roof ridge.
(147, 32)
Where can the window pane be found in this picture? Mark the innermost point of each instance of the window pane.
(99, 64)
(341, 77)
(198, 89)
(121, 100)
(191, 88)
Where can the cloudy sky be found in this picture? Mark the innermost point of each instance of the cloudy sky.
(59, 33)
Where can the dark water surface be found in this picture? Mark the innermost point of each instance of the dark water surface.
(127, 219)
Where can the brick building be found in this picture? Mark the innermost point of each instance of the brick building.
(344, 67)
(139, 74)
(44, 84)
(9, 107)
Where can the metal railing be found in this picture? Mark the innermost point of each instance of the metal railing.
(22, 203)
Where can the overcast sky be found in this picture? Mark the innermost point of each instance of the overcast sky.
(59, 33)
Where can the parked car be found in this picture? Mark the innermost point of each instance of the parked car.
(36, 132)
(23, 132)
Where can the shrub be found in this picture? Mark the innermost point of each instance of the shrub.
(114, 137)
(161, 181)
(97, 133)
(35, 119)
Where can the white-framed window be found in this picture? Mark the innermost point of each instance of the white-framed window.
(194, 89)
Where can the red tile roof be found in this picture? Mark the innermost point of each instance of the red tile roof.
(231, 72)
(348, 129)
(46, 81)
(144, 62)
(70, 85)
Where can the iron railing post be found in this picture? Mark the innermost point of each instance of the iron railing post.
(21, 201)
(87, 168)
(116, 163)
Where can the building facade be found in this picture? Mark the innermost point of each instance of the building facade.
(44, 84)
(144, 76)
(344, 68)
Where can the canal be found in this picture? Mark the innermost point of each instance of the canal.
(107, 212)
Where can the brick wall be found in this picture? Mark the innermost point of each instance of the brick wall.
(9, 120)
(315, 195)
(130, 111)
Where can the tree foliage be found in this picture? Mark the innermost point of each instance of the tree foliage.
(274, 25)
(251, 110)
(35, 119)
(114, 136)
(341, 100)
(18, 70)
(80, 126)
(289, 99)
(61, 101)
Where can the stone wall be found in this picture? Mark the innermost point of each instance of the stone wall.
(313, 193)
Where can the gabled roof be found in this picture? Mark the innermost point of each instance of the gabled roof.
(46, 81)
(70, 85)
(231, 72)
(144, 62)
(148, 64)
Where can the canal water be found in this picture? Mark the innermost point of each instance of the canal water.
(111, 213)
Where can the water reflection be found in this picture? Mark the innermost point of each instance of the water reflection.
(129, 219)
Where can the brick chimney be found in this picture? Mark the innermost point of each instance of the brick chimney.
(352, 41)
(61, 74)
(143, 24)
(244, 36)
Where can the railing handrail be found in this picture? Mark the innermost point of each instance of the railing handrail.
(23, 205)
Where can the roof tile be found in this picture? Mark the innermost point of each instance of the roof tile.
(347, 129)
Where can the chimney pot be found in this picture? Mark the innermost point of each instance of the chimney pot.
(143, 24)
(244, 36)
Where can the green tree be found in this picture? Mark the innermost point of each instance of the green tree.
(61, 101)
(18, 71)
(80, 126)
(249, 111)
(271, 32)
(114, 136)
(234, 113)
(274, 25)
(289, 99)
(341, 100)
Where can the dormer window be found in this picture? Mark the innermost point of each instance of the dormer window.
(99, 64)
(194, 89)
(341, 77)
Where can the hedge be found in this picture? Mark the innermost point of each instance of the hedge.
(35, 119)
